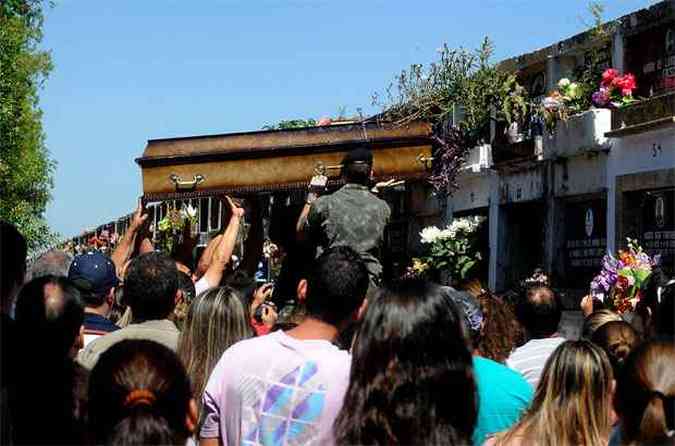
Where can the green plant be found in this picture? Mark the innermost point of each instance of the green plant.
(452, 249)
(460, 79)
(291, 124)
(26, 170)
(174, 227)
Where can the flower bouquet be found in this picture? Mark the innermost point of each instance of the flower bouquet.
(623, 277)
(170, 229)
(569, 98)
(452, 249)
(615, 90)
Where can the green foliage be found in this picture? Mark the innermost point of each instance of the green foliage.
(453, 249)
(463, 78)
(460, 81)
(589, 74)
(26, 170)
(291, 124)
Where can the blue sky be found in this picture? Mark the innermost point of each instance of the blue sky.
(129, 71)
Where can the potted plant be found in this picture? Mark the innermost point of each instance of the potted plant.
(452, 252)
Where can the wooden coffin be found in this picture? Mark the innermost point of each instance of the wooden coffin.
(266, 161)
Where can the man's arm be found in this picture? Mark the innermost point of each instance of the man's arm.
(224, 250)
(209, 442)
(301, 225)
(316, 185)
(125, 247)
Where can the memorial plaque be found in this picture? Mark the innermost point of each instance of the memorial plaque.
(585, 241)
(658, 225)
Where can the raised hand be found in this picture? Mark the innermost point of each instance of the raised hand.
(237, 210)
(139, 217)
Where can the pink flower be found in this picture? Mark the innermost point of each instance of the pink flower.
(608, 76)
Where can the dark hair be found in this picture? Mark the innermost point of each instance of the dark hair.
(645, 395)
(139, 394)
(337, 285)
(617, 339)
(13, 252)
(150, 286)
(357, 173)
(411, 379)
(49, 313)
(244, 285)
(89, 297)
(187, 286)
(539, 312)
(500, 328)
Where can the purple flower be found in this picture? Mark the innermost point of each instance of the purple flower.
(600, 97)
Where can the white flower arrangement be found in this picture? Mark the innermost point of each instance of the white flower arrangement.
(431, 234)
(451, 248)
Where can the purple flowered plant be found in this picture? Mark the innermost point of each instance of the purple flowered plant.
(624, 276)
(450, 153)
(601, 97)
(608, 275)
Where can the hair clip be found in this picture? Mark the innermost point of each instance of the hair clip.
(138, 397)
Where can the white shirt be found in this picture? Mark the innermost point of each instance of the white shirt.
(530, 359)
(276, 390)
(202, 285)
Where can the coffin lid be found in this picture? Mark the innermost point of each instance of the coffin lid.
(277, 160)
(271, 143)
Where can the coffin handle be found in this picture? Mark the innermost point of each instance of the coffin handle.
(425, 160)
(186, 184)
(320, 168)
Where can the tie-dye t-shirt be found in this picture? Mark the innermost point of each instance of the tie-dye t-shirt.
(275, 390)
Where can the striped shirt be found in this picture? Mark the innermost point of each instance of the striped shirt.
(530, 358)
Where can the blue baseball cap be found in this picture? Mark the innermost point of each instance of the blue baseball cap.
(93, 273)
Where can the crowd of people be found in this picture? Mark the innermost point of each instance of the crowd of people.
(141, 348)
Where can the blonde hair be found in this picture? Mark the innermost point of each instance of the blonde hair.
(215, 320)
(572, 402)
(597, 319)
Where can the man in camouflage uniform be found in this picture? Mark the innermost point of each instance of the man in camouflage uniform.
(352, 216)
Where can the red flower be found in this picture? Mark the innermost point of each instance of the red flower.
(608, 76)
(622, 284)
(629, 82)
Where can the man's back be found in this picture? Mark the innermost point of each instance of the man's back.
(530, 358)
(276, 389)
(353, 217)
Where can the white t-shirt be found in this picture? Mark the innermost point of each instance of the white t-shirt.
(276, 390)
(530, 358)
(202, 285)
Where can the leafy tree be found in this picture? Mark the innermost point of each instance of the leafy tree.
(26, 170)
